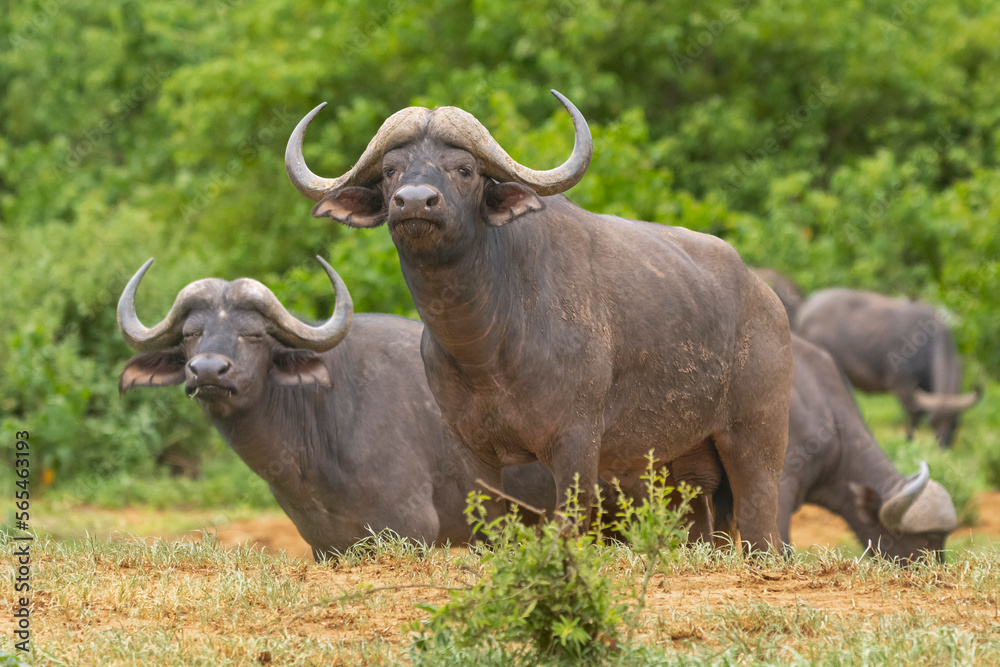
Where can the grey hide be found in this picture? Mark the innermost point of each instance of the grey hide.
(834, 461)
(790, 294)
(347, 438)
(565, 336)
(891, 345)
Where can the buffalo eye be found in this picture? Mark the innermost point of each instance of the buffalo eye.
(465, 172)
(252, 337)
(191, 335)
(388, 172)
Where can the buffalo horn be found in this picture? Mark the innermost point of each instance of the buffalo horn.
(462, 129)
(933, 512)
(949, 402)
(289, 329)
(397, 128)
(167, 332)
(892, 510)
(456, 127)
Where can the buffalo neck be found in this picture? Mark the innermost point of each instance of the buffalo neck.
(278, 435)
(475, 306)
(864, 463)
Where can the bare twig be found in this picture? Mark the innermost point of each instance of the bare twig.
(501, 494)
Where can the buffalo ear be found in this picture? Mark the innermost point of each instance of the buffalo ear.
(867, 501)
(507, 201)
(153, 369)
(299, 367)
(354, 206)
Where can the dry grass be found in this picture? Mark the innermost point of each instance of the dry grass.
(131, 602)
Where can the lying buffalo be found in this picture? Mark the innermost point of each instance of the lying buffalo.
(886, 344)
(337, 417)
(556, 334)
(833, 461)
(790, 294)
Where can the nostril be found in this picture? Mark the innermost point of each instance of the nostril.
(398, 202)
(432, 201)
(209, 367)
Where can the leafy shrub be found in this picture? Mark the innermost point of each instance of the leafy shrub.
(547, 595)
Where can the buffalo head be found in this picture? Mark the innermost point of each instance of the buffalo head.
(915, 518)
(223, 338)
(436, 176)
(945, 410)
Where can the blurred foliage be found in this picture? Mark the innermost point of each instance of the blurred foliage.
(851, 143)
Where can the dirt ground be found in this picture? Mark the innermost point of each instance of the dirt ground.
(811, 525)
(120, 599)
(684, 604)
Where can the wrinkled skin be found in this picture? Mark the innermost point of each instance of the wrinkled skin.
(790, 294)
(891, 345)
(577, 339)
(346, 439)
(832, 461)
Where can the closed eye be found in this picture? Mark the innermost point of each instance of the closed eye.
(192, 334)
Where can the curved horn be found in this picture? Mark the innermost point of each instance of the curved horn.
(167, 332)
(462, 128)
(950, 402)
(934, 511)
(892, 510)
(290, 330)
(395, 130)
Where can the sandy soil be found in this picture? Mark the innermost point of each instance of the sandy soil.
(811, 526)
(704, 604)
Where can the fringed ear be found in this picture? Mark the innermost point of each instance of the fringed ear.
(153, 369)
(867, 501)
(506, 201)
(299, 367)
(353, 206)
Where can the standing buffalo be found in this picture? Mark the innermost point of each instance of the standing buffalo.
(341, 425)
(556, 334)
(834, 461)
(886, 344)
(790, 294)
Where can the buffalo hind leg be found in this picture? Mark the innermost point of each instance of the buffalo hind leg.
(700, 468)
(577, 453)
(752, 457)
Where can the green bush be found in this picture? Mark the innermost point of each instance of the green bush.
(548, 595)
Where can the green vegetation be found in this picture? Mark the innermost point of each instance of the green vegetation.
(544, 596)
(845, 144)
